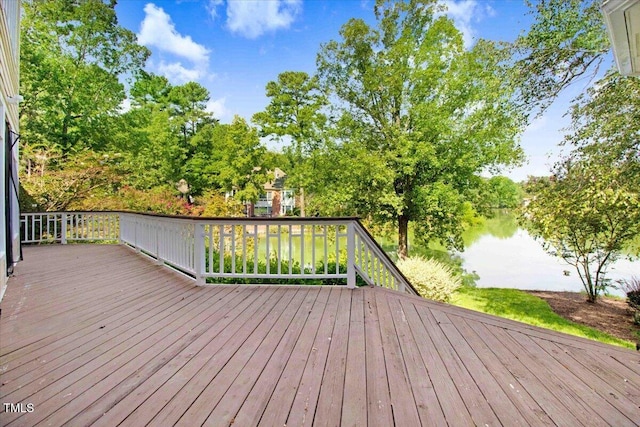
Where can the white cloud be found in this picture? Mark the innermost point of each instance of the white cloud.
(252, 18)
(178, 74)
(463, 12)
(159, 31)
(218, 108)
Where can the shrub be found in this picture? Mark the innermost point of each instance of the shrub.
(432, 279)
(632, 288)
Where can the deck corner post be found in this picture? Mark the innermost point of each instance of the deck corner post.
(351, 255)
(401, 287)
(199, 254)
(63, 231)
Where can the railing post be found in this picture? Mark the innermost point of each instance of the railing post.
(159, 236)
(351, 255)
(199, 253)
(135, 235)
(119, 222)
(63, 231)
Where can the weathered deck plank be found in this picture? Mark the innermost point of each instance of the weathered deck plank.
(99, 335)
(282, 372)
(354, 410)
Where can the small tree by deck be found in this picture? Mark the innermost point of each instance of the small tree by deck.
(586, 216)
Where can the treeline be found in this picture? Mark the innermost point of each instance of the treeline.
(397, 125)
(80, 149)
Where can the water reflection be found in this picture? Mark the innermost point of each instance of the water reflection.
(506, 256)
(502, 225)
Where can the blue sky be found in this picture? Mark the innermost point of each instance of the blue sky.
(234, 47)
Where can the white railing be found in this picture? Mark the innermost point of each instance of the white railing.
(169, 240)
(338, 250)
(63, 227)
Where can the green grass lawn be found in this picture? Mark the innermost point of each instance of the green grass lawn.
(523, 307)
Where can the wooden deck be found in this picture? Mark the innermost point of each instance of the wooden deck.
(99, 335)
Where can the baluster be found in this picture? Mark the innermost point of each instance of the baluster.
(64, 229)
(351, 242)
(279, 251)
(221, 248)
(256, 245)
(244, 249)
(233, 249)
(290, 249)
(313, 249)
(198, 238)
(326, 249)
(302, 249)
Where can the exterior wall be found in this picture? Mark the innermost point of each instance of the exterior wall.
(3, 231)
(9, 91)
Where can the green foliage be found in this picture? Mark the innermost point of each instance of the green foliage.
(161, 200)
(167, 134)
(261, 267)
(606, 125)
(72, 54)
(589, 212)
(87, 175)
(215, 205)
(418, 117)
(432, 279)
(502, 192)
(566, 41)
(586, 215)
(27, 202)
(523, 307)
(235, 161)
(295, 112)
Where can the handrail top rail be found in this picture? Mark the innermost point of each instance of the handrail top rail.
(193, 261)
(385, 256)
(284, 219)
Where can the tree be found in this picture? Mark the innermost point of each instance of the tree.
(590, 212)
(418, 117)
(72, 55)
(295, 111)
(606, 124)
(165, 133)
(188, 107)
(566, 41)
(502, 192)
(235, 163)
(585, 215)
(86, 175)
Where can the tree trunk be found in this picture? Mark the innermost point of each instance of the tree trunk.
(302, 212)
(403, 236)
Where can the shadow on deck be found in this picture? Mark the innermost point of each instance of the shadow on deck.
(99, 335)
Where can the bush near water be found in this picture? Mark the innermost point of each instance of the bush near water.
(432, 279)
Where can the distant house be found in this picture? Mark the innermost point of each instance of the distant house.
(276, 200)
(9, 99)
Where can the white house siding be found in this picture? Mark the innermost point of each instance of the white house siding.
(9, 89)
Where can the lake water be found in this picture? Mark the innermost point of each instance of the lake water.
(506, 256)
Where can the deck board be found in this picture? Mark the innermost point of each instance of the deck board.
(251, 408)
(100, 335)
(281, 400)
